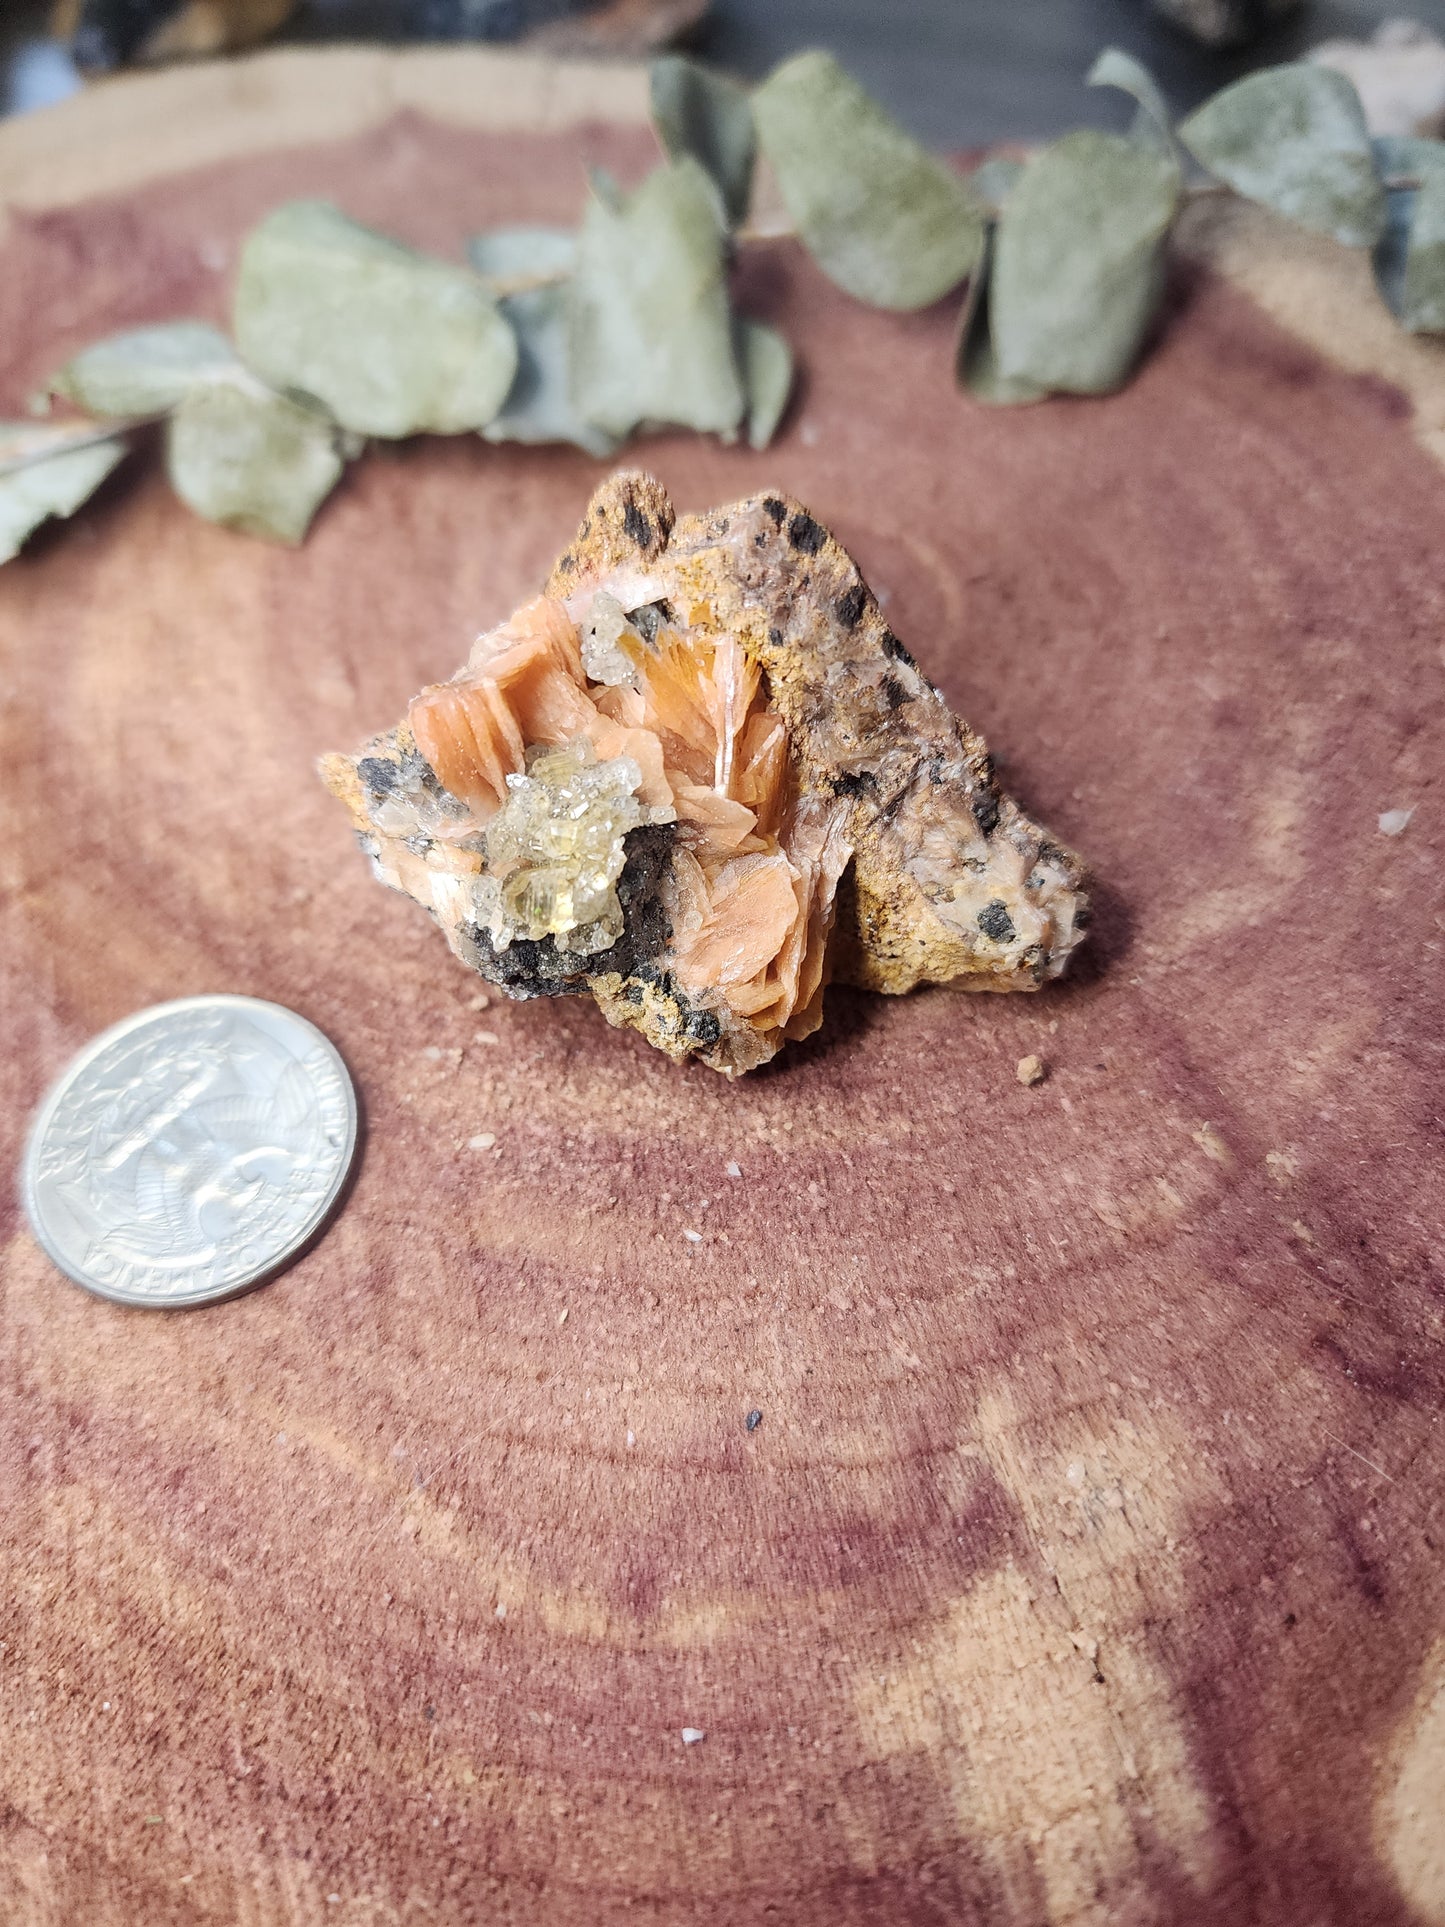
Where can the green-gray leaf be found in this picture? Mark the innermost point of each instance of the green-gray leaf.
(1115, 68)
(882, 217)
(992, 181)
(975, 363)
(44, 474)
(1078, 266)
(147, 371)
(390, 342)
(253, 460)
(539, 406)
(650, 331)
(1295, 139)
(699, 112)
(766, 362)
(1409, 258)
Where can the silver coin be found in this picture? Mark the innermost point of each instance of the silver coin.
(191, 1151)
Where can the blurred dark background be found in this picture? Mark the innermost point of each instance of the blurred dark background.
(960, 73)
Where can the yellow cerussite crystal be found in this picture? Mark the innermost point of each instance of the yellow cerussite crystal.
(698, 776)
(556, 848)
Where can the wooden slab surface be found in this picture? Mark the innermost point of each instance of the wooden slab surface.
(1086, 1566)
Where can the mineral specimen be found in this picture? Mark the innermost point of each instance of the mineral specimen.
(697, 777)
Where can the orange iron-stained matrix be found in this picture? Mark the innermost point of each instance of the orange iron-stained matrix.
(698, 777)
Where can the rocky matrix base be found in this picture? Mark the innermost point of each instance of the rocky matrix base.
(697, 777)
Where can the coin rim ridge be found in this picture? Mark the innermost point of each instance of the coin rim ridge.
(73, 1068)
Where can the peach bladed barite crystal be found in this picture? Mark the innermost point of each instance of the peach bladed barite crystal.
(698, 776)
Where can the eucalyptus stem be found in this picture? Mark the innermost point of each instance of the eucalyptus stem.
(779, 228)
(501, 286)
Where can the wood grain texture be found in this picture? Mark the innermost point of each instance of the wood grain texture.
(1085, 1566)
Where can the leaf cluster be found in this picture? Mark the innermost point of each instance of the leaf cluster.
(341, 335)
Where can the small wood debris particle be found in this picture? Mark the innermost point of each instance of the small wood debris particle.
(692, 1734)
(754, 1420)
(483, 1141)
(1302, 1231)
(501, 1609)
(562, 1320)
(479, 1002)
(734, 1169)
(1281, 1166)
(1393, 822)
(1030, 1070)
(631, 1440)
(693, 1237)
(1212, 1144)
(433, 1053)
(486, 1037)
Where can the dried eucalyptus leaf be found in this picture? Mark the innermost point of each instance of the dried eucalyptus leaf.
(882, 217)
(240, 455)
(1409, 257)
(649, 327)
(390, 342)
(53, 481)
(1115, 68)
(699, 112)
(1295, 139)
(766, 362)
(506, 255)
(539, 404)
(146, 371)
(992, 181)
(1079, 262)
(975, 363)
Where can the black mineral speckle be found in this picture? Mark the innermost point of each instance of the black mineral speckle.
(852, 782)
(894, 648)
(895, 692)
(703, 1028)
(415, 772)
(994, 921)
(775, 509)
(806, 534)
(566, 565)
(651, 617)
(753, 1420)
(637, 525)
(775, 637)
(378, 773)
(852, 605)
(985, 811)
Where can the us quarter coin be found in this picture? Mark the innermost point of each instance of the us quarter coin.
(191, 1151)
